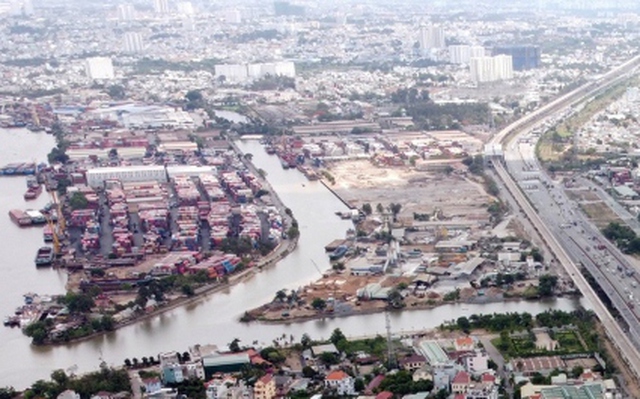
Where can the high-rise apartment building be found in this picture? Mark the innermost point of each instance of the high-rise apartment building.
(126, 12)
(132, 42)
(185, 8)
(431, 37)
(231, 16)
(491, 69)
(462, 53)
(27, 8)
(524, 57)
(161, 6)
(99, 68)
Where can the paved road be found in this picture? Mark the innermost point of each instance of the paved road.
(550, 211)
(497, 357)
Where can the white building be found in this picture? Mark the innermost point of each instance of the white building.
(341, 382)
(161, 6)
(185, 8)
(96, 177)
(431, 37)
(99, 68)
(126, 12)
(239, 73)
(133, 42)
(231, 16)
(491, 69)
(462, 53)
(476, 364)
(27, 8)
(232, 72)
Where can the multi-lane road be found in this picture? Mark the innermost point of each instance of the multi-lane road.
(574, 241)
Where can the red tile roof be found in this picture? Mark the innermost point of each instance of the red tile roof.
(461, 378)
(266, 378)
(384, 395)
(337, 375)
(488, 378)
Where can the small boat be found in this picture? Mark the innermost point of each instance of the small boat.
(44, 257)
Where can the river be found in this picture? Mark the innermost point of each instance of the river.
(214, 319)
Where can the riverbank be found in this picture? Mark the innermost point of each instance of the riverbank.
(384, 309)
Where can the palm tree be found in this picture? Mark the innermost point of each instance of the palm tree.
(135, 362)
(127, 363)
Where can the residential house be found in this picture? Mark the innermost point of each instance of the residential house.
(103, 395)
(152, 385)
(375, 382)
(194, 370)
(464, 344)
(341, 382)
(460, 382)
(172, 373)
(218, 388)
(265, 388)
(168, 358)
(69, 394)
(443, 374)
(412, 362)
(476, 363)
(322, 349)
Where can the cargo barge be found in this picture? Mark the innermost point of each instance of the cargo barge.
(18, 169)
(44, 257)
(33, 192)
(19, 217)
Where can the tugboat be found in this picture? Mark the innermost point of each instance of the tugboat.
(44, 257)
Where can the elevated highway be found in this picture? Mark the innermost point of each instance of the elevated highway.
(625, 338)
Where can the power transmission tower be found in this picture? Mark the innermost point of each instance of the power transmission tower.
(391, 360)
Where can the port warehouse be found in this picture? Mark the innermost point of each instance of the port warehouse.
(225, 363)
(141, 173)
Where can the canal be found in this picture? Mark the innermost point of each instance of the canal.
(214, 319)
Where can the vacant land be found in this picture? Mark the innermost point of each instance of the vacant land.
(599, 213)
(359, 182)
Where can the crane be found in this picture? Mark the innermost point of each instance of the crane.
(61, 222)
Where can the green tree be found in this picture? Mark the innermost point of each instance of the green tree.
(293, 232)
(318, 304)
(60, 377)
(367, 209)
(7, 393)
(305, 341)
(358, 385)
(78, 201)
(337, 336)
(281, 295)
(78, 303)
(187, 290)
(107, 323)
(395, 299)
(234, 346)
(464, 324)
(380, 208)
(546, 285)
(37, 331)
(395, 210)
(307, 372)
(116, 92)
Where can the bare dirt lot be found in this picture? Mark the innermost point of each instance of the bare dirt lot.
(358, 182)
(599, 213)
